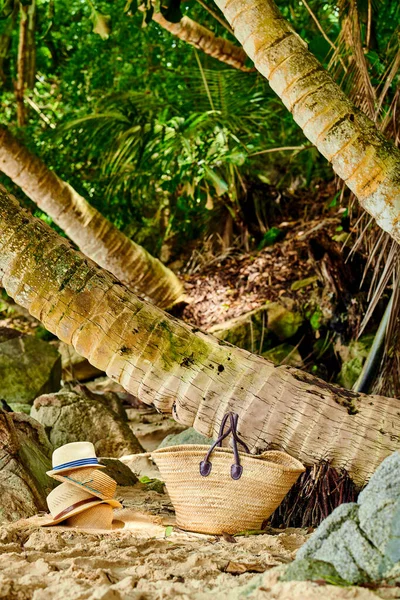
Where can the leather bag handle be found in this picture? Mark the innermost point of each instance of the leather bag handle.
(236, 468)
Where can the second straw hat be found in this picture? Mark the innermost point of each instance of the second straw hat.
(90, 479)
(68, 500)
(75, 455)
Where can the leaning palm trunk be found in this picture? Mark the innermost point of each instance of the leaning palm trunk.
(96, 237)
(359, 153)
(198, 36)
(182, 370)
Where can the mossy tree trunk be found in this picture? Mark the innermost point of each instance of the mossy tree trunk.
(96, 237)
(202, 38)
(359, 153)
(182, 370)
(20, 84)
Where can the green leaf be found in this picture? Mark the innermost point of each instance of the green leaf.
(101, 24)
(168, 530)
(131, 6)
(144, 479)
(315, 320)
(221, 187)
(270, 237)
(297, 285)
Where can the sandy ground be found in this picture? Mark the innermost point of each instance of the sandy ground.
(143, 562)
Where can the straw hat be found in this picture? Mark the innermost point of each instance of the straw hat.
(67, 500)
(91, 479)
(74, 456)
(97, 517)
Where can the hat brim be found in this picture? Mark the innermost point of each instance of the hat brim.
(59, 477)
(66, 470)
(43, 522)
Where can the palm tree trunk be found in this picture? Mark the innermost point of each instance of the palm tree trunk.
(198, 36)
(96, 237)
(182, 370)
(21, 65)
(359, 153)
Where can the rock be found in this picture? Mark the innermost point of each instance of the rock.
(188, 436)
(75, 415)
(260, 329)
(379, 502)
(311, 570)
(150, 427)
(328, 526)
(110, 399)
(74, 366)
(28, 368)
(284, 354)
(141, 465)
(352, 554)
(393, 544)
(362, 540)
(102, 385)
(6, 333)
(24, 459)
(120, 472)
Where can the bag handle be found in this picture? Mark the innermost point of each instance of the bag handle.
(236, 468)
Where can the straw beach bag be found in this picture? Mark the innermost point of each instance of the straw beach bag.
(214, 491)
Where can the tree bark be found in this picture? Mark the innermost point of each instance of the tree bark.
(198, 36)
(96, 237)
(359, 153)
(182, 370)
(21, 66)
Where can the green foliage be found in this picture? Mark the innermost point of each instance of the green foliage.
(163, 140)
(270, 237)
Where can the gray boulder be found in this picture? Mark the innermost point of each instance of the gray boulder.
(120, 472)
(362, 540)
(74, 415)
(28, 367)
(25, 456)
(379, 501)
(188, 436)
(74, 366)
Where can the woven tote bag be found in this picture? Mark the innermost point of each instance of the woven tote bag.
(215, 490)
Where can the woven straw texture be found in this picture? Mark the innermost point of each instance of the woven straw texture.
(94, 481)
(97, 517)
(217, 503)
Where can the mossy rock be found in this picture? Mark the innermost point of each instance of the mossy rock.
(261, 329)
(312, 570)
(21, 407)
(28, 368)
(188, 436)
(362, 540)
(75, 414)
(284, 354)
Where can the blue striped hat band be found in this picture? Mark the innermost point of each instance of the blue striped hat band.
(82, 462)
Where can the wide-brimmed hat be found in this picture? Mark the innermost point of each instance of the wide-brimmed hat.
(75, 455)
(98, 517)
(68, 500)
(90, 479)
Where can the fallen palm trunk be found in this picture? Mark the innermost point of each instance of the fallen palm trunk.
(96, 237)
(181, 370)
(359, 153)
(200, 37)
